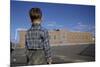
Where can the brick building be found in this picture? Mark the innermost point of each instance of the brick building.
(62, 37)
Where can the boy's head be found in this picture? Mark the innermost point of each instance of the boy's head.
(35, 15)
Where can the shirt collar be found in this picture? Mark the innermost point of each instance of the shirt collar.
(36, 26)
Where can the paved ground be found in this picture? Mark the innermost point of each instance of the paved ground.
(61, 54)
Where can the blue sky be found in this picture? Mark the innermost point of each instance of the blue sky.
(55, 16)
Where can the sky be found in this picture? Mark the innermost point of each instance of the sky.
(55, 16)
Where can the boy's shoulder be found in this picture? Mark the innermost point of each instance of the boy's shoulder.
(44, 29)
(28, 30)
(41, 29)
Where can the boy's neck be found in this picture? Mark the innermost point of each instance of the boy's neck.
(36, 24)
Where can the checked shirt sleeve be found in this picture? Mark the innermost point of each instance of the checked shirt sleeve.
(26, 40)
(46, 44)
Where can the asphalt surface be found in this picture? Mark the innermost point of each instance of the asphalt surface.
(61, 54)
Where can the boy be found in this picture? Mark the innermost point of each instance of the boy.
(37, 40)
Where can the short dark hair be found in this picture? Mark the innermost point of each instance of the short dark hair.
(35, 13)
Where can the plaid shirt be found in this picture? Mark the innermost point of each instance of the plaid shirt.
(38, 38)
